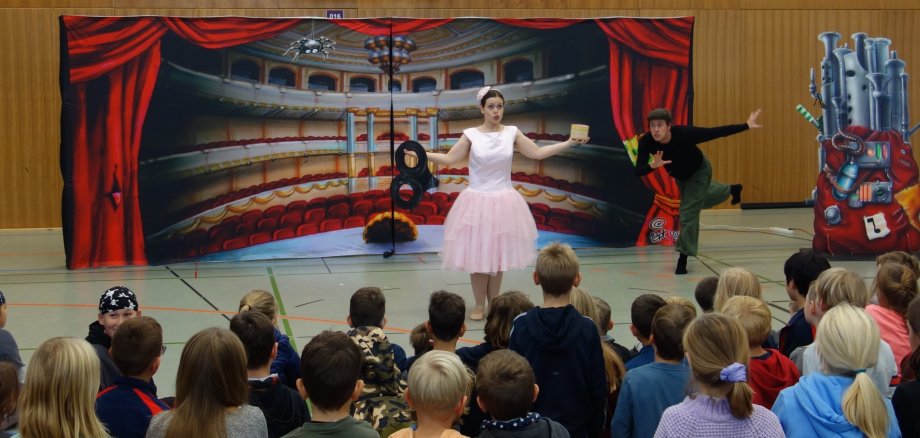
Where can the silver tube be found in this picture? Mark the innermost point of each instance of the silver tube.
(859, 46)
(844, 108)
(893, 68)
(878, 103)
(905, 114)
(829, 83)
(857, 90)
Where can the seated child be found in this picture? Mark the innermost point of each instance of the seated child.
(9, 350)
(801, 269)
(650, 389)
(907, 397)
(286, 364)
(681, 301)
(331, 379)
(9, 395)
(735, 281)
(506, 387)
(282, 406)
(116, 305)
(842, 400)
(896, 286)
(721, 404)
(60, 391)
(705, 293)
(563, 347)
(769, 371)
(127, 406)
(438, 392)
(642, 312)
(606, 324)
(502, 311)
(381, 403)
(840, 286)
(421, 343)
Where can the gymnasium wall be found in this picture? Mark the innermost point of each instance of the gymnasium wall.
(748, 54)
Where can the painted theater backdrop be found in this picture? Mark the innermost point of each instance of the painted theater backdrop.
(226, 139)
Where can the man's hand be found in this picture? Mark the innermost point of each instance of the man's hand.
(657, 161)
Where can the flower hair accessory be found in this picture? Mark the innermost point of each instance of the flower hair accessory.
(482, 92)
(734, 373)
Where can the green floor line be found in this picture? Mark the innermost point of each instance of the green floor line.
(281, 311)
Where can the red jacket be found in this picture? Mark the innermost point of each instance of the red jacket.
(770, 374)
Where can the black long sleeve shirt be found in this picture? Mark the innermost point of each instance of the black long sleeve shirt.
(682, 151)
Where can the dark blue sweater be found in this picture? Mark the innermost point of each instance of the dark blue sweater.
(564, 349)
(127, 406)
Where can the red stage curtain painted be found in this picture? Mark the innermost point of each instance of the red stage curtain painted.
(651, 54)
(121, 57)
(388, 26)
(540, 23)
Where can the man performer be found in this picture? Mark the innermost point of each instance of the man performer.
(675, 148)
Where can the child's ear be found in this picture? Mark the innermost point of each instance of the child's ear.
(274, 351)
(155, 365)
(462, 330)
(409, 399)
(482, 406)
(577, 280)
(359, 387)
(536, 278)
(536, 391)
(633, 330)
(302, 390)
(459, 409)
(651, 339)
(609, 325)
(138, 312)
(348, 320)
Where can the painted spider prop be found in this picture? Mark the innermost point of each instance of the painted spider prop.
(310, 46)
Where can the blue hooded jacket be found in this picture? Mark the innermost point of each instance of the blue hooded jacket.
(812, 408)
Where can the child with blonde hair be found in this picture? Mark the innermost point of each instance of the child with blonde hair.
(59, 394)
(438, 392)
(721, 404)
(895, 286)
(833, 287)
(841, 400)
(286, 363)
(769, 371)
(735, 281)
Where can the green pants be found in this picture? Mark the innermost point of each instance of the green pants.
(696, 193)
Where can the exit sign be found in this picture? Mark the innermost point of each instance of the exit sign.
(335, 13)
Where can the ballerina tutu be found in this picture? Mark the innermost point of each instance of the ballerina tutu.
(489, 232)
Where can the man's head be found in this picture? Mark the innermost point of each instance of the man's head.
(367, 308)
(557, 269)
(330, 369)
(659, 125)
(137, 346)
(446, 312)
(257, 333)
(116, 305)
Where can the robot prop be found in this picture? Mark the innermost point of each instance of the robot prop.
(867, 199)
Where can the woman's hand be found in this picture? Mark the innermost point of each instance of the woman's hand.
(578, 140)
(752, 119)
(657, 161)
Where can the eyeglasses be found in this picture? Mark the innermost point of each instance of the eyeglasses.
(162, 350)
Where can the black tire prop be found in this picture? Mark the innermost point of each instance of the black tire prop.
(418, 178)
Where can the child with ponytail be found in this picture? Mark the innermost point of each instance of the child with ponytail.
(721, 402)
(841, 400)
(287, 363)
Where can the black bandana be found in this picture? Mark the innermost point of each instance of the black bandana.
(117, 298)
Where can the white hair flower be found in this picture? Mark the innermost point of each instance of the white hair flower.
(482, 92)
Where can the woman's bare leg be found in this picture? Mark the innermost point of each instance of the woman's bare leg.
(480, 284)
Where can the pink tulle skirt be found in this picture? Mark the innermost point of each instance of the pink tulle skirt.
(489, 232)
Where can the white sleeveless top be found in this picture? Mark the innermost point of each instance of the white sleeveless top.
(490, 159)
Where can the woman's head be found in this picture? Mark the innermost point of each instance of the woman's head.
(59, 395)
(717, 349)
(211, 378)
(491, 104)
(735, 281)
(259, 301)
(502, 311)
(896, 285)
(847, 341)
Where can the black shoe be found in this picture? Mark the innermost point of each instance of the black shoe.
(736, 193)
(681, 264)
